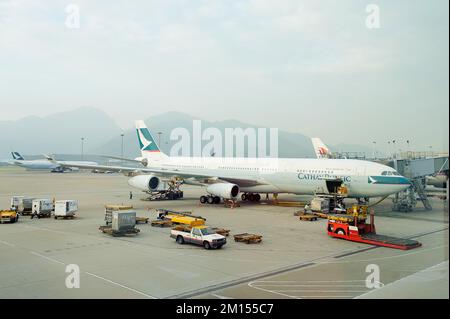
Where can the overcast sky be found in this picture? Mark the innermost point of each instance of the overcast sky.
(304, 66)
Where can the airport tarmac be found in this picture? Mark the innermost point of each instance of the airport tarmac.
(296, 259)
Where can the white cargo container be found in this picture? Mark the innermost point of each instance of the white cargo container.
(65, 208)
(22, 204)
(42, 207)
(16, 201)
(123, 220)
(320, 205)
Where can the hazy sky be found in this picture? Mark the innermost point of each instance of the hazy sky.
(305, 66)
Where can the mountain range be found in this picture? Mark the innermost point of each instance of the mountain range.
(61, 133)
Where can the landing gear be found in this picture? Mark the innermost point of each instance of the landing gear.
(250, 197)
(209, 199)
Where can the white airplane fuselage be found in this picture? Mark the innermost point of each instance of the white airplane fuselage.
(296, 176)
(46, 165)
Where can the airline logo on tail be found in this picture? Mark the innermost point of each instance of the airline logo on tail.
(146, 141)
(321, 150)
(17, 156)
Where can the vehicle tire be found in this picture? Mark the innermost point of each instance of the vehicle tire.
(244, 197)
(251, 197)
(216, 200)
(206, 245)
(340, 231)
(257, 197)
(203, 199)
(180, 240)
(210, 200)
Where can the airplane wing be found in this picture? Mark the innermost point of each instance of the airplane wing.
(175, 173)
(143, 162)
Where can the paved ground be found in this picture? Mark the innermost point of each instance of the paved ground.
(295, 260)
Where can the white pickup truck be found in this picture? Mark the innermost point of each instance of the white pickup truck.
(198, 235)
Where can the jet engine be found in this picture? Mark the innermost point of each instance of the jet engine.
(224, 190)
(147, 183)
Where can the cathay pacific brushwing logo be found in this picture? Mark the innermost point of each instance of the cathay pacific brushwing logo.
(146, 142)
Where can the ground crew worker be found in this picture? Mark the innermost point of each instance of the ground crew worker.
(131, 195)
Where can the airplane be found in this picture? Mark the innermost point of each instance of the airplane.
(438, 180)
(226, 178)
(321, 150)
(46, 164)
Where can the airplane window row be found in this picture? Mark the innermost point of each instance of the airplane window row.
(389, 173)
(314, 171)
(240, 168)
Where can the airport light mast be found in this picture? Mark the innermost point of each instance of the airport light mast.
(373, 149)
(159, 139)
(82, 148)
(121, 149)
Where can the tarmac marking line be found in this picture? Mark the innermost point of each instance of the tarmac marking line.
(403, 278)
(48, 258)
(120, 285)
(232, 283)
(221, 297)
(7, 244)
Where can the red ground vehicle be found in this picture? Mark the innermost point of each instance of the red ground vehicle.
(355, 228)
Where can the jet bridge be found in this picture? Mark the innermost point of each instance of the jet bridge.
(417, 169)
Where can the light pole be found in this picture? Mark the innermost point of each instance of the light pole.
(395, 151)
(408, 150)
(121, 148)
(82, 148)
(373, 148)
(159, 139)
(389, 149)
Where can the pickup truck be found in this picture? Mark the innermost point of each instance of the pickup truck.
(198, 235)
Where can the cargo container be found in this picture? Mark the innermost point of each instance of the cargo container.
(22, 204)
(123, 220)
(109, 209)
(66, 208)
(320, 205)
(42, 207)
(16, 201)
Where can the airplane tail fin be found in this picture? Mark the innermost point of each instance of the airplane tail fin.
(17, 156)
(147, 144)
(321, 150)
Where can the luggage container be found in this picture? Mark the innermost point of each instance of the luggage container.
(66, 208)
(109, 209)
(22, 204)
(16, 200)
(123, 220)
(42, 207)
(320, 205)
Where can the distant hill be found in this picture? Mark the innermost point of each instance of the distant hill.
(61, 133)
(290, 144)
(57, 133)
